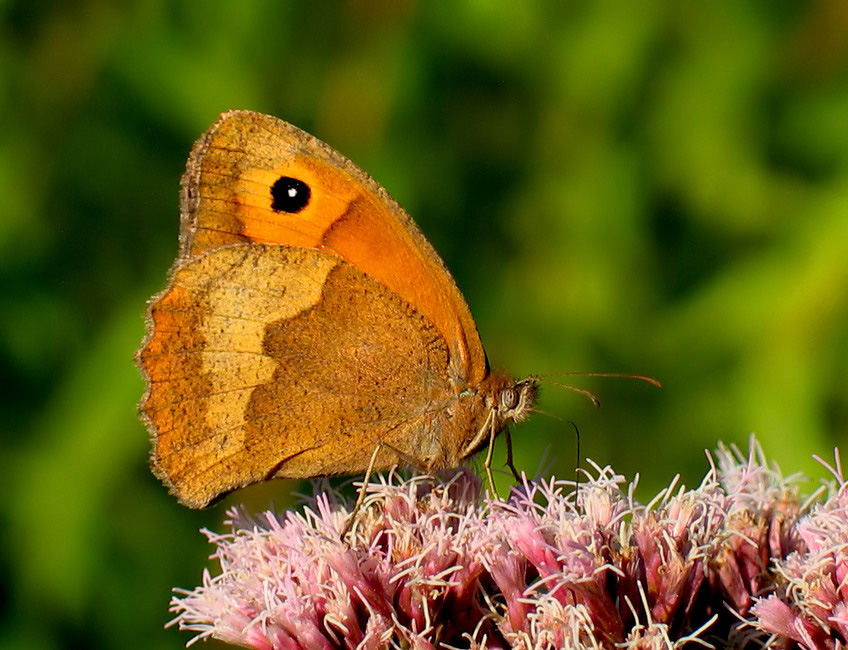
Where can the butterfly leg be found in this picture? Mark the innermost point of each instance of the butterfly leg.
(487, 464)
(360, 499)
(490, 453)
(509, 463)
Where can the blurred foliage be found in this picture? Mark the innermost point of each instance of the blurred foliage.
(652, 187)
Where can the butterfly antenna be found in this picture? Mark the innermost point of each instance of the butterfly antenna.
(546, 414)
(587, 393)
(619, 375)
(577, 463)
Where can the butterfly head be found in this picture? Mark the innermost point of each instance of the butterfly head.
(499, 401)
(515, 401)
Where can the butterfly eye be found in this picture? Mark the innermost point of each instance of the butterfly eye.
(289, 195)
(509, 398)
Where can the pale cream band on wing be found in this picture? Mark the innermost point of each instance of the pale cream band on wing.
(261, 285)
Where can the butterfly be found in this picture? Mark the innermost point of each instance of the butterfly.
(308, 328)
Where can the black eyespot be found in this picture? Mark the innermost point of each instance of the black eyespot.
(509, 398)
(289, 195)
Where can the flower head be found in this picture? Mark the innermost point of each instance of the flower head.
(809, 605)
(432, 563)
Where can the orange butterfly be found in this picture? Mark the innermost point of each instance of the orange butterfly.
(308, 328)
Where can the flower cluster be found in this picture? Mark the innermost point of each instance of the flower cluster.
(431, 563)
(809, 606)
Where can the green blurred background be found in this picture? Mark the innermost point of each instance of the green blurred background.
(650, 187)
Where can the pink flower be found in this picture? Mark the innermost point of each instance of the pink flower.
(809, 606)
(431, 563)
